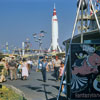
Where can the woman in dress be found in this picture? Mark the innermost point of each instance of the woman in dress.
(24, 69)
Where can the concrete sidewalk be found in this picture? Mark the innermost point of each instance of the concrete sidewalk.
(35, 89)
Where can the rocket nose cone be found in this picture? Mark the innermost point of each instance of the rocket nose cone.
(54, 11)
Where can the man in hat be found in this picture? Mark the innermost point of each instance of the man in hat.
(44, 66)
(12, 66)
(56, 66)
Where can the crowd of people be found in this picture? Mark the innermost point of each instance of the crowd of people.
(55, 64)
(15, 69)
(21, 69)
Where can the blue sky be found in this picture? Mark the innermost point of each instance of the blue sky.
(19, 19)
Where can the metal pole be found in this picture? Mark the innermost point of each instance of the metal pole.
(82, 22)
(95, 15)
(86, 20)
(40, 47)
(68, 53)
(23, 51)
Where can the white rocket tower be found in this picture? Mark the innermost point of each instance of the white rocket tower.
(54, 43)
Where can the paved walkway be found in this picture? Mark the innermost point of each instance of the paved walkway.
(35, 89)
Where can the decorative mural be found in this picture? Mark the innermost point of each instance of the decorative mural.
(85, 67)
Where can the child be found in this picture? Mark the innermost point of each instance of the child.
(61, 72)
(19, 71)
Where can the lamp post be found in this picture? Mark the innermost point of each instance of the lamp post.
(38, 38)
(27, 45)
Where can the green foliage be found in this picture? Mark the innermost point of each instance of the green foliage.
(9, 94)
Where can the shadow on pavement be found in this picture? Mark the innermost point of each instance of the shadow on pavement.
(40, 80)
(52, 79)
(57, 87)
(53, 74)
(61, 98)
(32, 88)
(45, 85)
(45, 91)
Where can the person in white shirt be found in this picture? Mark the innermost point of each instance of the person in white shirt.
(56, 66)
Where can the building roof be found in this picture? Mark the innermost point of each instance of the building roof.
(92, 35)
